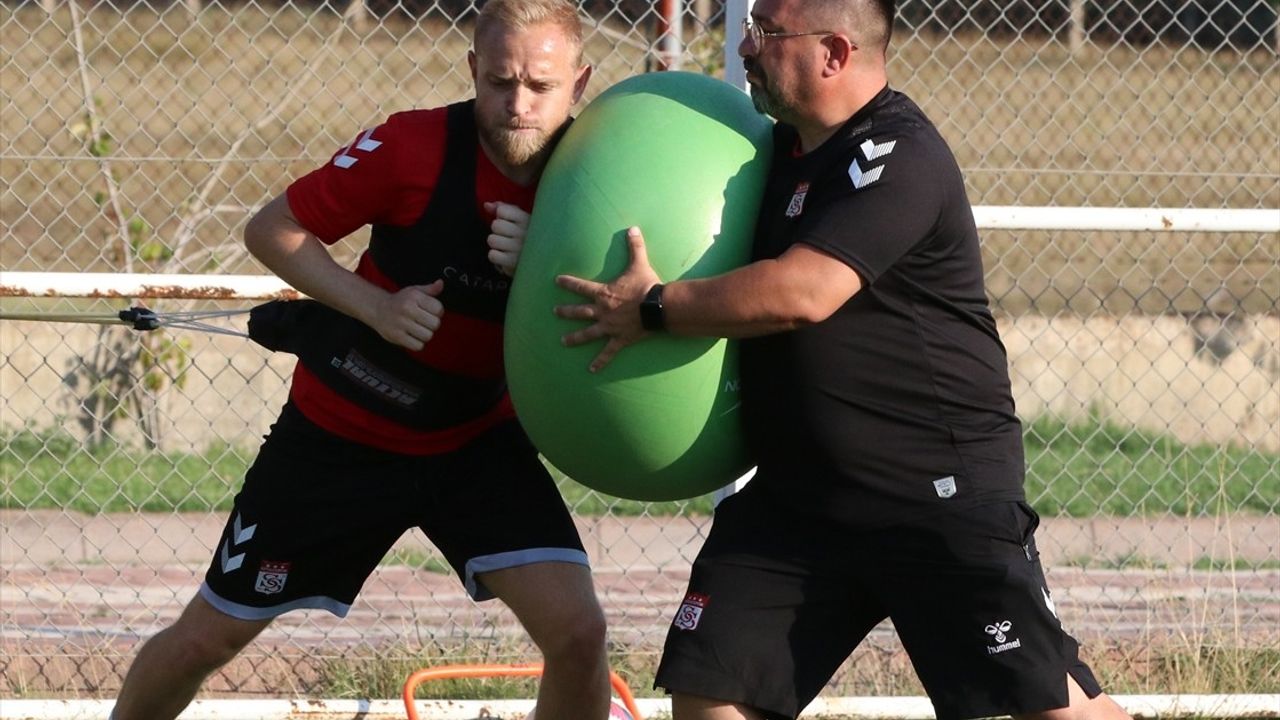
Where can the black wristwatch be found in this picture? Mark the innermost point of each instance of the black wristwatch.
(652, 317)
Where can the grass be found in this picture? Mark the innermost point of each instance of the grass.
(54, 470)
(1127, 561)
(1135, 669)
(417, 559)
(1234, 564)
(371, 675)
(1104, 469)
(1138, 668)
(1078, 470)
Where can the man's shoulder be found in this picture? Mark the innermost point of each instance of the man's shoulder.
(415, 136)
(895, 127)
(418, 120)
(894, 114)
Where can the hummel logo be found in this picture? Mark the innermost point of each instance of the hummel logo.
(871, 151)
(365, 143)
(861, 179)
(239, 535)
(1048, 601)
(1003, 643)
(243, 533)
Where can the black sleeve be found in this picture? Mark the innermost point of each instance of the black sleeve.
(878, 202)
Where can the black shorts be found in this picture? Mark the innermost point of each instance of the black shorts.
(777, 602)
(317, 513)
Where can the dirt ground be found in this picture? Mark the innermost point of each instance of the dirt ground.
(77, 593)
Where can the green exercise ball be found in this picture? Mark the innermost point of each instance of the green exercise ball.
(684, 157)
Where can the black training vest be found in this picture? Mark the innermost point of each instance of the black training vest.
(449, 242)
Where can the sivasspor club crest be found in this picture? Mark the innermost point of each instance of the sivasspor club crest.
(690, 611)
(271, 577)
(797, 200)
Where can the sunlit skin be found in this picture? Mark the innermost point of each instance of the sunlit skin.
(526, 84)
(775, 87)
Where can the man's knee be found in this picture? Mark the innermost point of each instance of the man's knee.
(582, 639)
(204, 638)
(198, 649)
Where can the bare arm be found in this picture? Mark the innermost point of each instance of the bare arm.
(801, 287)
(408, 318)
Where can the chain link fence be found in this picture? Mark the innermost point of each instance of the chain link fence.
(139, 137)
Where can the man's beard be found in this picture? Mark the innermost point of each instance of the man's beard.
(516, 147)
(763, 101)
(764, 98)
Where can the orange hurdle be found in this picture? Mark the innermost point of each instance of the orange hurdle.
(453, 672)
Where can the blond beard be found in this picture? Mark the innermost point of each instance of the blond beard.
(516, 149)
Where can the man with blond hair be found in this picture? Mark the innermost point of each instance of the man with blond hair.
(398, 414)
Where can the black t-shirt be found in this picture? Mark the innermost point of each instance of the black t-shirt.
(898, 405)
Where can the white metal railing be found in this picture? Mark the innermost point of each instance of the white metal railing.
(994, 217)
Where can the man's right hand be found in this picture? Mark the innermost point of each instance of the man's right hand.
(409, 317)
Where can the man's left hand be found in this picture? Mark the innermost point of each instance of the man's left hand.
(506, 235)
(614, 307)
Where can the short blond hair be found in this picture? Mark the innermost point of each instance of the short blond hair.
(521, 14)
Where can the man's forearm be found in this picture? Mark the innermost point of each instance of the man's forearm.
(298, 257)
(800, 288)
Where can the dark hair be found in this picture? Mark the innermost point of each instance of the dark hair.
(868, 22)
(882, 13)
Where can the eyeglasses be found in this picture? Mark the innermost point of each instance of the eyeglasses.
(758, 34)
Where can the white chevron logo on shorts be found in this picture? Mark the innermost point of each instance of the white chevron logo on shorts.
(366, 143)
(1048, 602)
(239, 534)
(230, 562)
(871, 151)
(242, 533)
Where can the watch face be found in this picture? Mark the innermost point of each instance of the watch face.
(651, 315)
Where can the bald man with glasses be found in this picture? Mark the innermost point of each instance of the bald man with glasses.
(876, 396)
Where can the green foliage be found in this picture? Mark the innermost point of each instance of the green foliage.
(54, 470)
(1077, 470)
(163, 359)
(145, 246)
(1127, 669)
(382, 672)
(1205, 667)
(1234, 564)
(1098, 468)
(707, 50)
(418, 560)
(1126, 561)
(120, 377)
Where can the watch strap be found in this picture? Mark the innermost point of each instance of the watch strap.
(652, 315)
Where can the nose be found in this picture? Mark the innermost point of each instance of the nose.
(519, 100)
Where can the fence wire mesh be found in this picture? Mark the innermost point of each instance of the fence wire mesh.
(139, 137)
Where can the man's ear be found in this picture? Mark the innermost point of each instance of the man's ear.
(471, 62)
(840, 50)
(580, 83)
